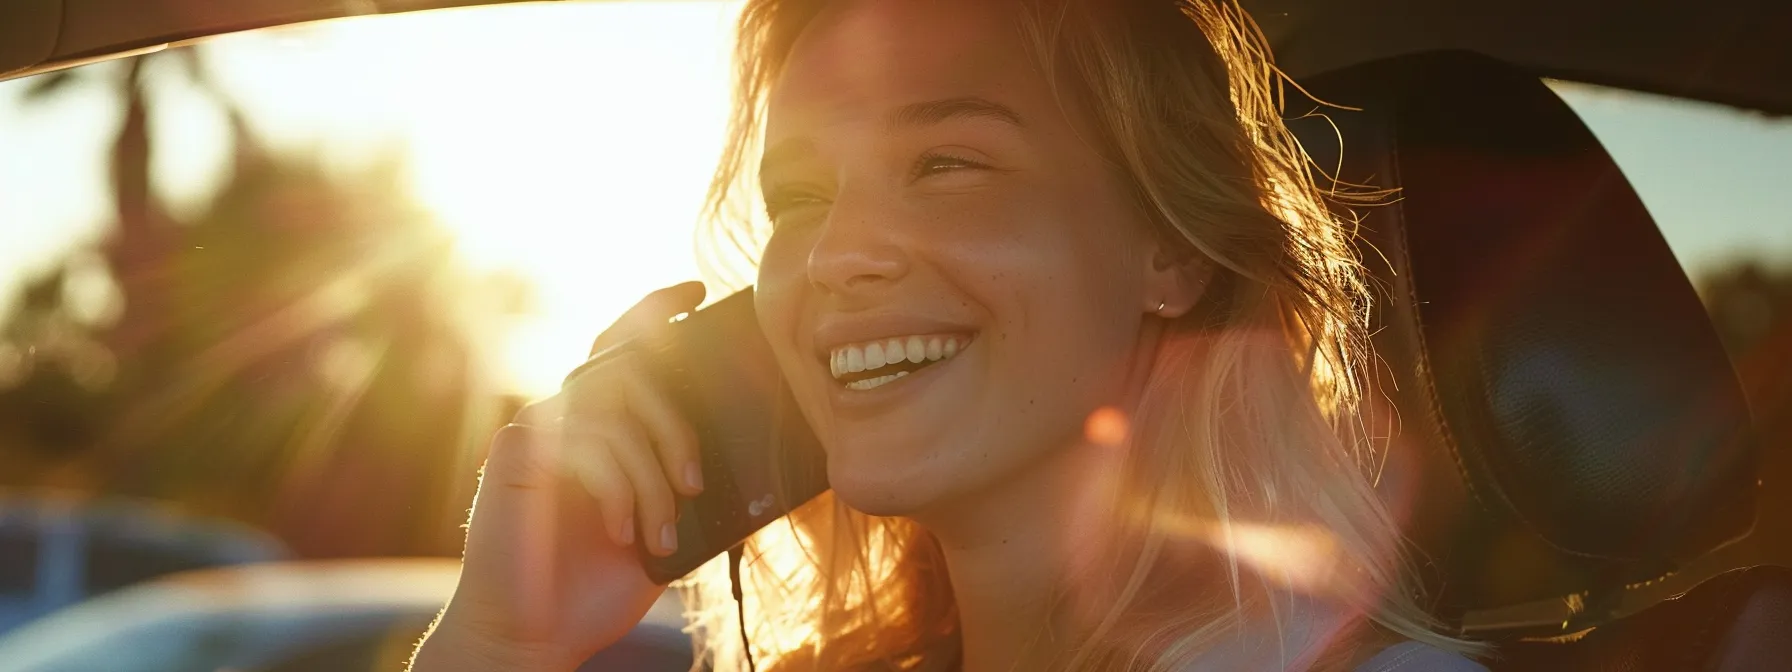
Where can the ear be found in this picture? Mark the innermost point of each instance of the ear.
(1176, 280)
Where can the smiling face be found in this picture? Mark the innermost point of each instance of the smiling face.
(956, 280)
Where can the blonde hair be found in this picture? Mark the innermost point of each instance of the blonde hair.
(1254, 414)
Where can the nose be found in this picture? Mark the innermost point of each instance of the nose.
(858, 250)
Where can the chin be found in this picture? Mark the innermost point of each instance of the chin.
(884, 487)
(880, 494)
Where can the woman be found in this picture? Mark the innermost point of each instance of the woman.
(1135, 437)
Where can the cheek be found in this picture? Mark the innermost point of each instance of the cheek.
(1025, 240)
(779, 293)
(1062, 286)
(1045, 259)
(783, 262)
(1066, 355)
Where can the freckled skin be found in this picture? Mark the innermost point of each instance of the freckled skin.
(1038, 249)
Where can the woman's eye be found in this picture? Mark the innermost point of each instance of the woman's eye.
(934, 164)
(779, 204)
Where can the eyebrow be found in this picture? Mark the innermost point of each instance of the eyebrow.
(912, 115)
(933, 112)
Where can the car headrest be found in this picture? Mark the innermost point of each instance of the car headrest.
(1571, 422)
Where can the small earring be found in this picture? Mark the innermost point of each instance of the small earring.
(1160, 307)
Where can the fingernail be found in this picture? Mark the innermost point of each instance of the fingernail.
(693, 476)
(668, 537)
(628, 530)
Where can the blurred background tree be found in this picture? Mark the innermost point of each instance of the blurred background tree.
(1751, 306)
(305, 354)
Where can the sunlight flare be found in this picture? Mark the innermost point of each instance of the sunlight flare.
(523, 139)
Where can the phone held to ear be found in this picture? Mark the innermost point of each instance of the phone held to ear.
(760, 459)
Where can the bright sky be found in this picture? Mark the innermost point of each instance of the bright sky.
(1717, 180)
(535, 132)
(573, 142)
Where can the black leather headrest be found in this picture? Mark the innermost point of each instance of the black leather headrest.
(1571, 421)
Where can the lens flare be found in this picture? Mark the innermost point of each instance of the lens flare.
(1303, 557)
(1107, 426)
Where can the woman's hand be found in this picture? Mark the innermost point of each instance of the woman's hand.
(550, 573)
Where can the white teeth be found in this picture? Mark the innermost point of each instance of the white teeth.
(916, 349)
(879, 381)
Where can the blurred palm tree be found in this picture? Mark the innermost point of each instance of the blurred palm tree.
(143, 233)
(304, 354)
(58, 377)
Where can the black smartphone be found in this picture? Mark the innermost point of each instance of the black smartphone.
(760, 458)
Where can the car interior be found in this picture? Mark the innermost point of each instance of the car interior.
(1576, 430)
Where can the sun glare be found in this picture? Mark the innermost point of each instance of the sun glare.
(570, 143)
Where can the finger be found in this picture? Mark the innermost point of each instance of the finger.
(516, 460)
(653, 310)
(593, 463)
(674, 441)
(655, 507)
(528, 460)
(515, 514)
(513, 508)
(545, 413)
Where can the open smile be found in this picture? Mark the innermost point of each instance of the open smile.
(871, 364)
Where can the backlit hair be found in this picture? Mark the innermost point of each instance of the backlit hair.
(1253, 425)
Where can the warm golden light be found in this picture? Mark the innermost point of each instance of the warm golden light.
(1303, 557)
(1107, 426)
(569, 143)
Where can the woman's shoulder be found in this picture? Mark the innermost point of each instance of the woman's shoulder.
(1418, 657)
